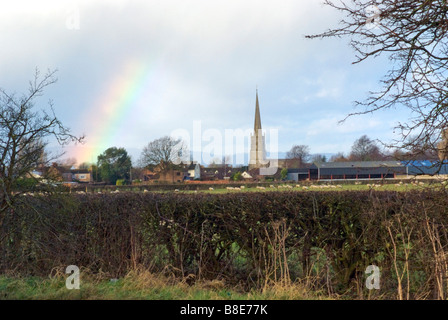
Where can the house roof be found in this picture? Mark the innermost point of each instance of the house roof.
(188, 166)
(219, 172)
(80, 171)
(192, 166)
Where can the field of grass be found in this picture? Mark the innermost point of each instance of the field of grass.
(138, 286)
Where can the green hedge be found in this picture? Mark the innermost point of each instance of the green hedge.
(250, 239)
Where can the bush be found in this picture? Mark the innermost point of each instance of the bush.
(237, 176)
(284, 173)
(25, 183)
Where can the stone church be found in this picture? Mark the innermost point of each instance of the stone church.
(257, 157)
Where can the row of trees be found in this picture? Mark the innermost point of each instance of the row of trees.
(363, 149)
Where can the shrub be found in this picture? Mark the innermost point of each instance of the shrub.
(237, 176)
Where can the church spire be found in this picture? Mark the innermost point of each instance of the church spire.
(257, 124)
(257, 145)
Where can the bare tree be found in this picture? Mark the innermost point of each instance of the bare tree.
(338, 157)
(218, 162)
(397, 154)
(164, 152)
(85, 166)
(23, 134)
(319, 158)
(67, 162)
(365, 149)
(413, 34)
(419, 149)
(300, 153)
(215, 163)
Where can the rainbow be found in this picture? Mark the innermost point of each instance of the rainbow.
(115, 105)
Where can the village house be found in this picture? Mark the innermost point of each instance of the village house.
(174, 174)
(218, 172)
(64, 174)
(81, 175)
(148, 175)
(193, 171)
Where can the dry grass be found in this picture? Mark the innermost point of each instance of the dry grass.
(141, 284)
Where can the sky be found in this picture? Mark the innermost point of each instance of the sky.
(130, 72)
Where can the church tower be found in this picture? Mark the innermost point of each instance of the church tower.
(257, 141)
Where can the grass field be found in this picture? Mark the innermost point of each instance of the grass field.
(140, 285)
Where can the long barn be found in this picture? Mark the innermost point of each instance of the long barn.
(349, 170)
(360, 170)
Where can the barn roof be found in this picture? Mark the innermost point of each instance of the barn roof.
(359, 164)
